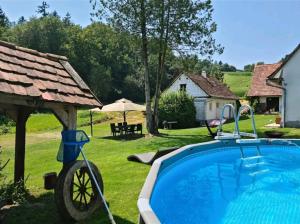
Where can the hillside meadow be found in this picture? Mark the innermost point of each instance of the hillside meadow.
(238, 82)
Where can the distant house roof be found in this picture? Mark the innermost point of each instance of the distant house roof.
(259, 85)
(213, 87)
(46, 77)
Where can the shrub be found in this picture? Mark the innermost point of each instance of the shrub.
(177, 106)
(11, 193)
(5, 124)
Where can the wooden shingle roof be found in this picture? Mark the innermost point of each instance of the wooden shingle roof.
(213, 87)
(42, 76)
(259, 85)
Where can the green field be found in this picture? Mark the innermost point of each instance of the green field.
(238, 82)
(123, 180)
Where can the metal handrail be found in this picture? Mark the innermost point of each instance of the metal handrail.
(236, 127)
(252, 121)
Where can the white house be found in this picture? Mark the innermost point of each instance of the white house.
(287, 77)
(210, 95)
(269, 97)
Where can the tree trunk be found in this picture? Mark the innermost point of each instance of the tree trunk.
(164, 35)
(149, 118)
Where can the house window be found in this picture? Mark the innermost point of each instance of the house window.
(210, 106)
(183, 87)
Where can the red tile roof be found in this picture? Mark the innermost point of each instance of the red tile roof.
(47, 77)
(213, 87)
(259, 85)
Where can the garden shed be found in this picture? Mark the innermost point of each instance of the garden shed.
(30, 80)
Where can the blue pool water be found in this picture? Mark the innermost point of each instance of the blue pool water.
(218, 187)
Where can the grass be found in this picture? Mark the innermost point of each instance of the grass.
(123, 180)
(47, 121)
(239, 82)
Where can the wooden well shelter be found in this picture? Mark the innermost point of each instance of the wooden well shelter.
(31, 80)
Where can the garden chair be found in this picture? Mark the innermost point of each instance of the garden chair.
(212, 124)
(139, 128)
(120, 127)
(114, 129)
(130, 129)
(125, 127)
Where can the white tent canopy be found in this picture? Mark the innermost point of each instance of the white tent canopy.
(122, 105)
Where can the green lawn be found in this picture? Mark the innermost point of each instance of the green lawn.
(122, 179)
(238, 82)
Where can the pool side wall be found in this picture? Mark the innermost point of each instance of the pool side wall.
(146, 212)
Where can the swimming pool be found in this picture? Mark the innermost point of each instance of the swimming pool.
(210, 183)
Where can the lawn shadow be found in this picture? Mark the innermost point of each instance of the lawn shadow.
(42, 209)
(39, 209)
(179, 140)
(123, 137)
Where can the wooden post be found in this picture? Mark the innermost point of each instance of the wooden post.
(22, 116)
(91, 123)
(124, 116)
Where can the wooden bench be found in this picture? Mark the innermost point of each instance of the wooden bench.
(168, 124)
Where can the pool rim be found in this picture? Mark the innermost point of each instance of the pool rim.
(147, 215)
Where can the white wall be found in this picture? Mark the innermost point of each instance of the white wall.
(214, 111)
(291, 76)
(201, 100)
(200, 105)
(191, 88)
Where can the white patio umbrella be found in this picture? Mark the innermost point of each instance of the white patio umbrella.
(123, 105)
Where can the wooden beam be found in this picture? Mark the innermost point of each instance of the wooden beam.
(74, 74)
(20, 100)
(22, 115)
(66, 115)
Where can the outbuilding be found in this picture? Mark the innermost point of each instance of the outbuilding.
(210, 95)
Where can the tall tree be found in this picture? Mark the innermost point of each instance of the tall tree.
(42, 9)
(183, 26)
(67, 19)
(4, 22)
(21, 20)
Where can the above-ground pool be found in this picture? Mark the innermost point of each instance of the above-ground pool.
(210, 184)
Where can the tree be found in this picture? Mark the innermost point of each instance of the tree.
(4, 22)
(55, 14)
(67, 19)
(42, 9)
(183, 26)
(249, 67)
(21, 20)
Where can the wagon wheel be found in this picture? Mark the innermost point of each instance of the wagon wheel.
(76, 195)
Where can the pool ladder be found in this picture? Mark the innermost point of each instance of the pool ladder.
(237, 134)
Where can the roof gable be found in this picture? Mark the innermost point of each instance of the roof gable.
(45, 77)
(213, 87)
(273, 74)
(259, 85)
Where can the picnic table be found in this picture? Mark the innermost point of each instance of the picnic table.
(126, 129)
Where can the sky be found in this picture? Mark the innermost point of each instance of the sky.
(249, 30)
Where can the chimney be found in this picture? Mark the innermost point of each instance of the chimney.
(204, 74)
